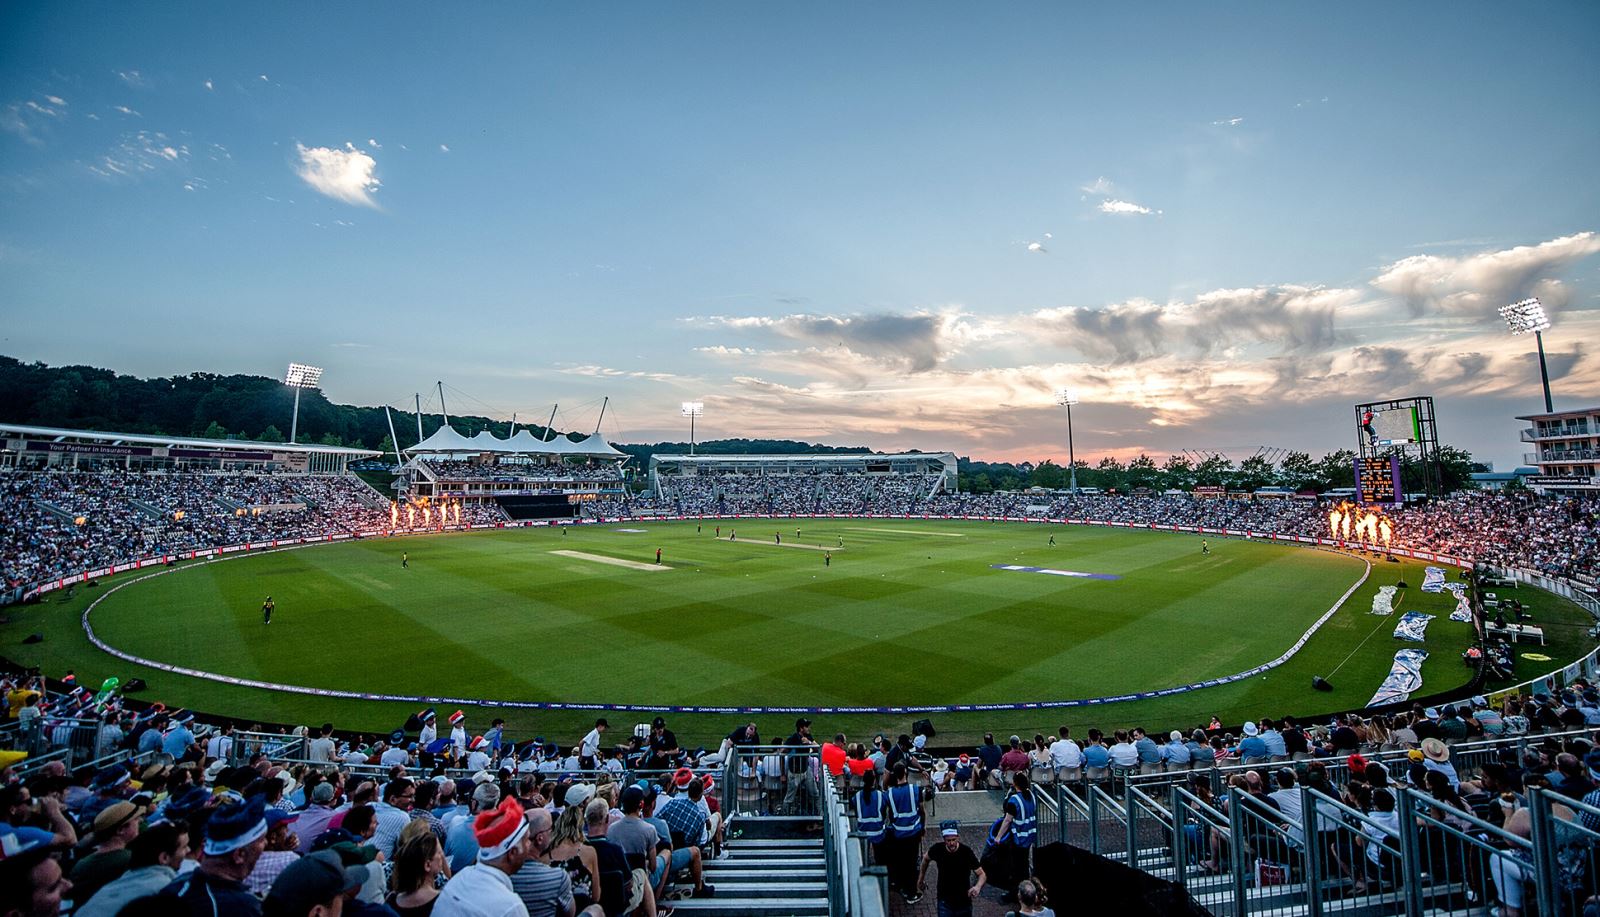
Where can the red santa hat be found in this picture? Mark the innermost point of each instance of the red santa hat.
(499, 830)
(477, 743)
(457, 717)
(682, 777)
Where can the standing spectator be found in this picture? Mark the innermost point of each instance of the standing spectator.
(800, 797)
(905, 833)
(957, 865)
(221, 744)
(321, 749)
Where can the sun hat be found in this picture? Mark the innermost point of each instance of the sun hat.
(499, 830)
(1435, 750)
(1250, 728)
(487, 794)
(114, 816)
(314, 879)
(1431, 713)
(483, 777)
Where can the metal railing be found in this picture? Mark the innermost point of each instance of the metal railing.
(1249, 855)
(855, 889)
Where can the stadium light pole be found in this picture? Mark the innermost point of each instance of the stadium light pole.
(691, 410)
(1067, 398)
(1529, 316)
(298, 377)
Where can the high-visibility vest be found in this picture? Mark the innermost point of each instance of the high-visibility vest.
(906, 818)
(1025, 827)
(869, 815)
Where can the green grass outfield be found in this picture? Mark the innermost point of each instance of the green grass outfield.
(909, 612)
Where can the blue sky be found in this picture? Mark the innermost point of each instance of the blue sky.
(818, 220)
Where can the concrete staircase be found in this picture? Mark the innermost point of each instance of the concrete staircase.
(774, 868)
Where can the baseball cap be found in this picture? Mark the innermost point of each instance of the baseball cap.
(314, 879)
(579, 793)
(17, 841)
(949, 828)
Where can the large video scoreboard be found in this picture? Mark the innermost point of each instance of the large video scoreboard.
(1378, 480)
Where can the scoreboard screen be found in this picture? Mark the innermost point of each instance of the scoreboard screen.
(1378, 480)
(1394, 427)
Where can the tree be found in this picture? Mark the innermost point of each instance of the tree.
(271, 435)
(331, 439)
(1455, 469)
(1214, 471)
(1048, 474)
(1142, 471)
(1254, 472)
(1337, 469)
(214, 430)
(1178, 473)
(1297, 469)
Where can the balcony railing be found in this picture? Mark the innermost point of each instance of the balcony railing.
(1534, 434)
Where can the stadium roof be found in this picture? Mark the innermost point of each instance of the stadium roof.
(446, 440)
(59, 434)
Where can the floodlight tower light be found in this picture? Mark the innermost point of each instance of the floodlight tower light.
(691, 410)
(1067, 398)
(298, 377)
(1525, 317)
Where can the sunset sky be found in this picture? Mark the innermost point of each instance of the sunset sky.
(903, 225)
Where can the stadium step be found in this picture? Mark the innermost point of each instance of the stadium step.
(766, 874)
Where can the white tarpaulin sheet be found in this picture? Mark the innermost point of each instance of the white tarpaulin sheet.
(1411, 626)
(1404, 678)
(1463, 610)
(1383, 602)
(1433, 579)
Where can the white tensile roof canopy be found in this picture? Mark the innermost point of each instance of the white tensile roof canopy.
(447, 441)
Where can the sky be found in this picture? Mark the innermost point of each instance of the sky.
(904, 226)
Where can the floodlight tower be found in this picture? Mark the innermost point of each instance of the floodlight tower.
(298, 377)
(691, 410)
(1067, 398)
(1523, 317)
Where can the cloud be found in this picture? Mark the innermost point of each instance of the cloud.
(133, 78)
(443, 148)
(1101, 186)
(263, 78)
(344, 175)
(915, 342)
(606, 372)
(374, 144)
(140, 153)
(1123, 207)
(1478, 284)
(209, 87)
(126, 110)
(1292, 318)
(1228, 122)
(57, 101)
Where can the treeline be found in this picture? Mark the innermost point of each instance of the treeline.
(1296, 469)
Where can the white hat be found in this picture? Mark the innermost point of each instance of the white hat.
(919, 741)
(216, 769)
(1431, 713)
(1176, 736)
(579, 794)
(1250, 728)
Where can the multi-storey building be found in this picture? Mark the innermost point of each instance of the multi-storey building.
(1567, 450)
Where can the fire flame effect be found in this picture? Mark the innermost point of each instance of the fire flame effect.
(449, 514)
(1370, 527)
